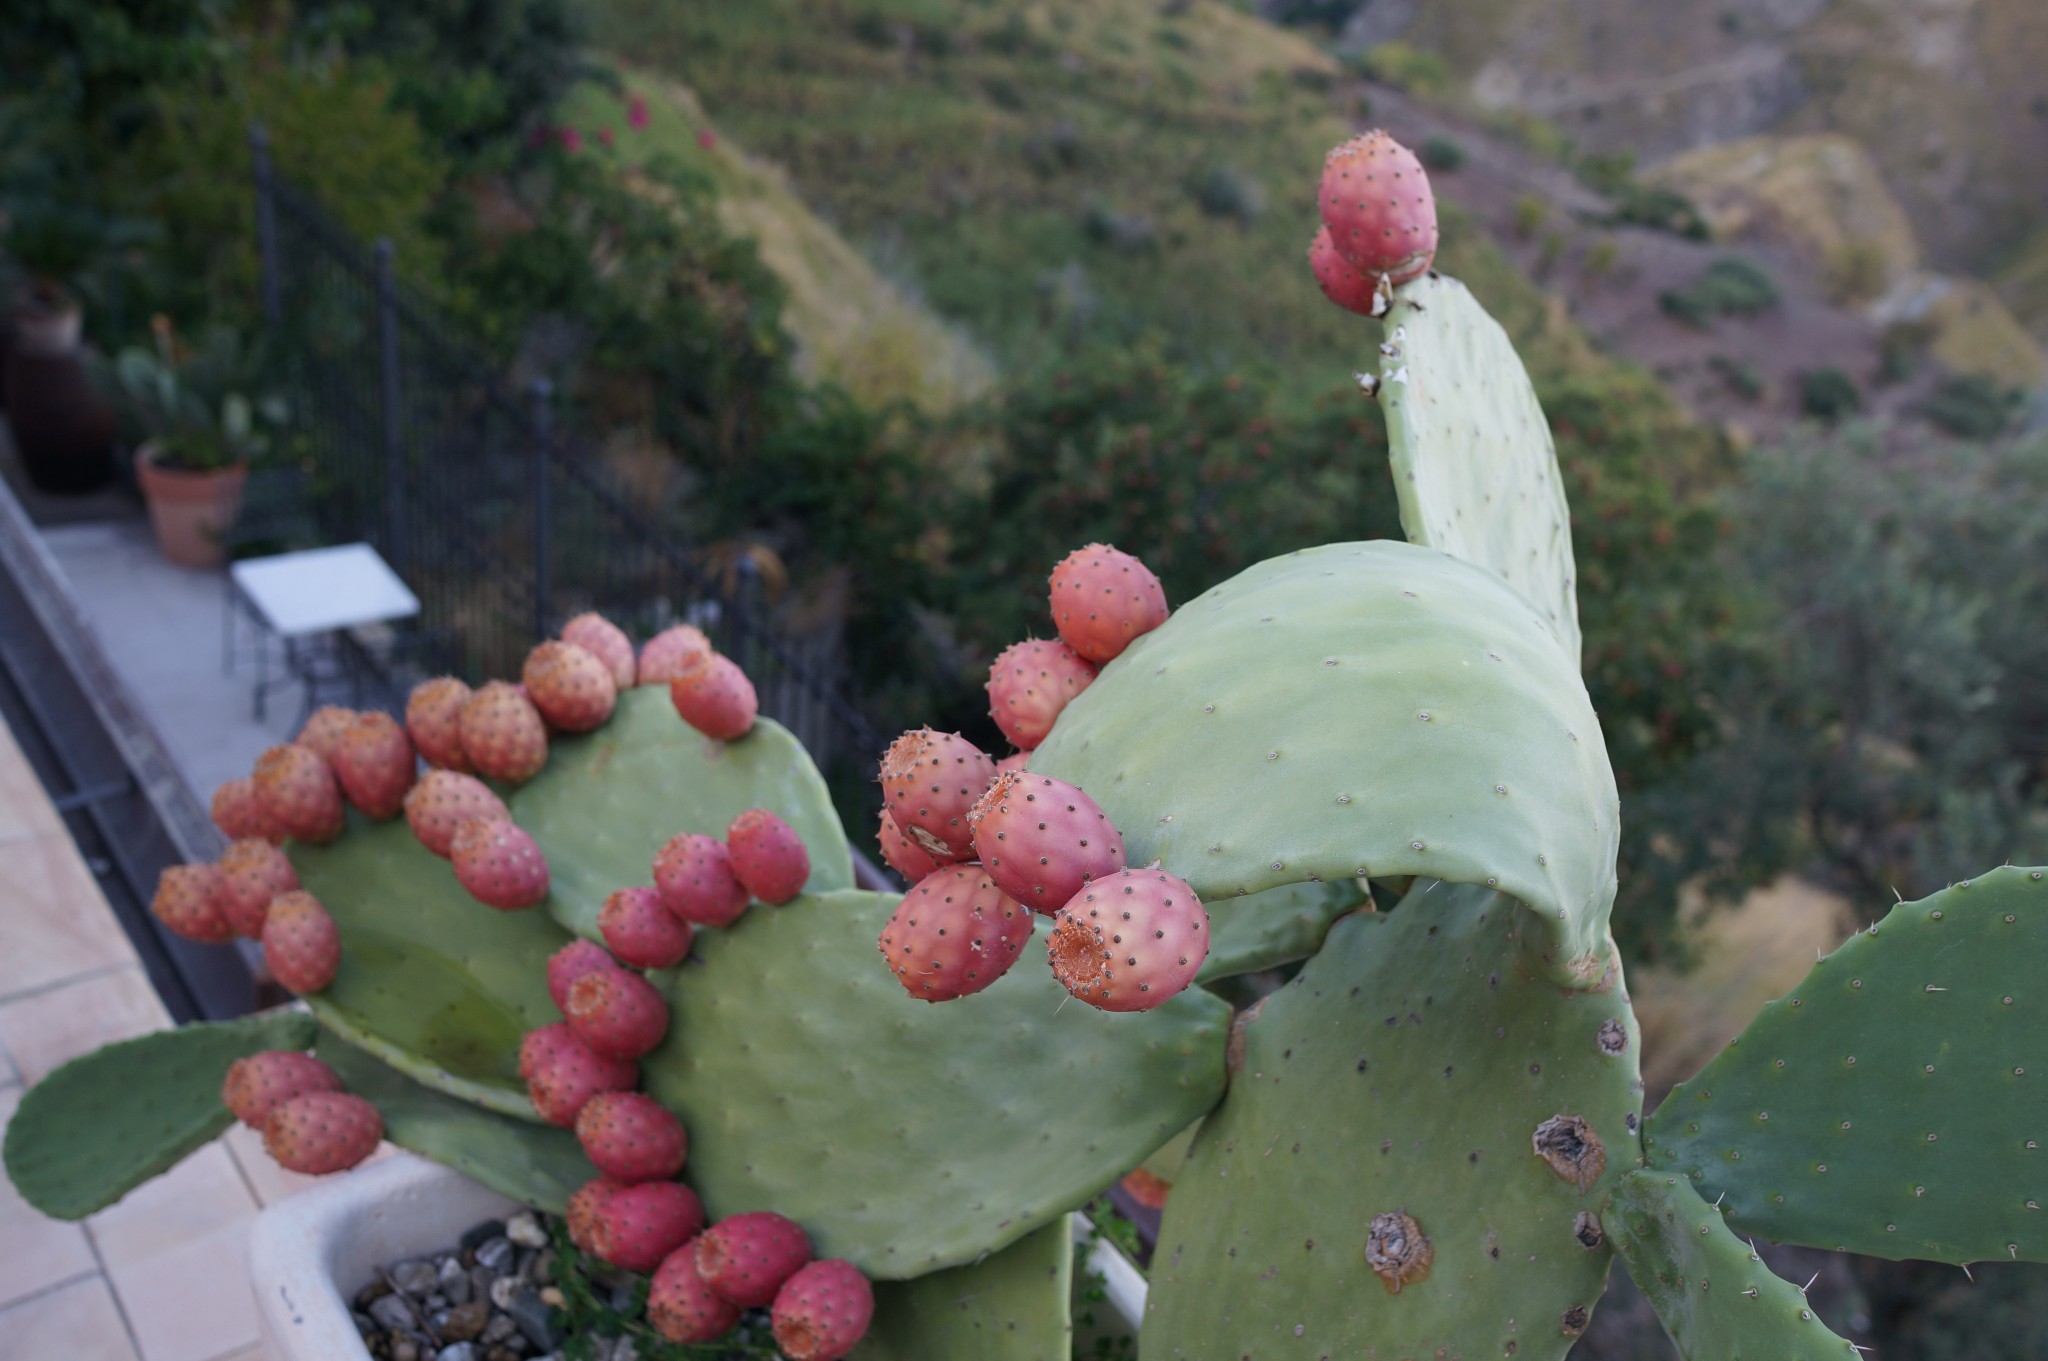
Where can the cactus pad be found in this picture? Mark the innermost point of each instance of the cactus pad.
(1015, 1306)
(1276, 926)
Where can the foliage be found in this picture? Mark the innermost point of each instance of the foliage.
(1666, 210)
(1442, 154)
(1730, 286)
(1828, 394)
(601, 1305)
(204, 406)
(1972, 405)
(97, 60)
(1405, 68)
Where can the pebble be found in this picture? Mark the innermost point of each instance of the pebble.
(504, 1289)
(525, 1230)
(535, 1319)
(553, 1298)
(390, 1311)
(415, 1278)
(483, 1302)
(455, 1282)
(499, 1329)
(463, 1322)
(483, 1233)
(461, 1351)
(401, 1347)
(496, 1254)
(481, 1278)
(543, 1269)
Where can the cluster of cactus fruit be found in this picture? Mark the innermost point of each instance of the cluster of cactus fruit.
(1429, 1143)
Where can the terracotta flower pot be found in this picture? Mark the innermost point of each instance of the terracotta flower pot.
(190, 511)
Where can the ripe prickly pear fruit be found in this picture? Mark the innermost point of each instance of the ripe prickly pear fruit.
(502, 734)
(900, 853)
(499, 863)
(373, 760)
(1103, 599)
(681, 1307)
(188, 900)
(694, 875)
(641, 931)
(572, 688)
(747, 1258)
(1030, 683)
(562, 1073)
(715, 697)
(252, 872)
(671, 652)
(324, 729)
(433, 719)
(322, 1132)
(259, 1083)
(1341, 284)
(570, 963)
(301, 945)
(823, 1311)
(607, 642)
(1042, 839)
(954, 933)
(581, 1213)
(768, 857)
(636, 1226)
(443, 801)
(930, 781)
(1130, 941)
(299, 794)
(1016, 760)
(239, 814)
(632, 1137)
(1376, 200)
(616, 1012)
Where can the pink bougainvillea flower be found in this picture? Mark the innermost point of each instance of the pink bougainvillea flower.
(604, 134)
(706, 138)
(636, 112)
(572, 140)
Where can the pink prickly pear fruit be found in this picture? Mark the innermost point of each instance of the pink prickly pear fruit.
(1376, 200)
(1103, 599)
(299, 794)
(258, 1084)
(768, 857)
(252, 872)
(715, 697)
(373, 760)
(499, 863)
(1130, 941)
(433, 719)
(616, 1012)
(301, 945)
(930, 781)
(1030, 683)
(607, 642)
(823, 1311)
(670, 653)
(188, 901)
(570, 963)
(641, 931)
(442, 801)
(747, 1258)
(321, 1132)
(1042, 839)
(562, 1073)
(631, 1136)
(954, 934)
(694, 876)
(1341, 284)
(324, 729)
(581, 1213)
(1016, 760)
(502, 734)
(571, 687)
(900, 853)
(238, 812)
(681, 1307)
(636, 1226)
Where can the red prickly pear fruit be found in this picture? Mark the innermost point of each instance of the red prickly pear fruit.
(631, 1136)
(616, 1012)
(1376, 201)
(442, 801)
(1341, 284)
(373, 760)
(1103, 599)
(259, 1083)
(900, 853)
(681, 1307)
(433, 719)
(823, 1311)
(954, 934)
(1130, 941)
(607, 642)
(1042, 839)
(238, 812)
(502, 734)
(930, 781)
(1030, 683)
(299, 794)
(252, 872)
(747, 1258)
(715, 697)
(188, 900)
(572, 688)
(1017, 760)
(693, 874)
(585, 1204)
(768, 857)
(670, 653)
(641, 930)
(301, 945)
(636, 1226)
(562, 1073)
(324, 729)
(321, 1132)
(570, 963)
(499, 863)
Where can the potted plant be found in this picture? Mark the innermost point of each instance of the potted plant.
(62, 424)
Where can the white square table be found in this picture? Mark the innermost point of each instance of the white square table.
(318, 593)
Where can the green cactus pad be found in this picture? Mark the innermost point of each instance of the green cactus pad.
(108, 1121)
(907, 1136)
(1357, 708)
(1714, 1296)
(1895, 1103)
(608, 801)
(1474, 467)
(1015, 1306)
(537, 1165)
(1277, 926)
(1406, 1071)
(432, 982)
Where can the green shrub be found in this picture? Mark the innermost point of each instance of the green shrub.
(1530, 212)
(1442, 154)
(1729, 286)
(1740, 375)
(1828, 395)
(1227, 192)
(1972, 406)
(1404, 68)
